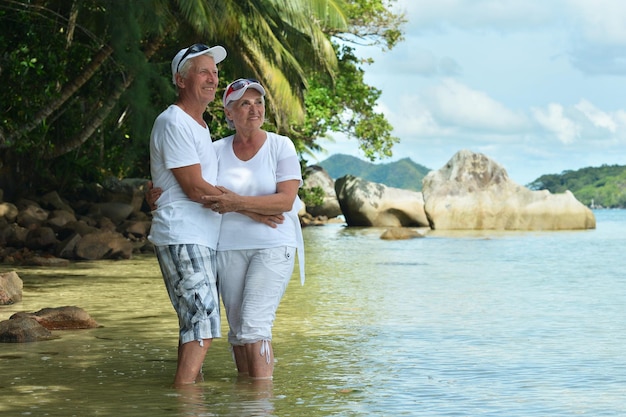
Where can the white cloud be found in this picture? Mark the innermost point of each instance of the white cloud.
(597, 117)
(601, 21)
(413, 118)
(456, 105)
(554, 120)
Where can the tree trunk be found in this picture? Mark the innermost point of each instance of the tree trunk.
(104, 111)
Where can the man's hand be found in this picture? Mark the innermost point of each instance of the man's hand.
(230, 201)
(152, 195)
(224, 203)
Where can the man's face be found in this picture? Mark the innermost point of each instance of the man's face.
(202, 79)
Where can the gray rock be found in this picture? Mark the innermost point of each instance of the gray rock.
(11, 287)
(41, 238)
(316, 176)
(8, 211)
(22, 330)
(472, 192)
(31, 215)
(60, 318)
(104, 245)
(400, 233)
(365, 203)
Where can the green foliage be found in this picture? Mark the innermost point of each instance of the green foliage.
(311, 197)
(404, 173)
(373, 23)
(31, 71)
(83, 80)
(344, 104)
(603, 186)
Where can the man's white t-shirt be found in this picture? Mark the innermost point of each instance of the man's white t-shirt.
(276, 161)
(177, 140)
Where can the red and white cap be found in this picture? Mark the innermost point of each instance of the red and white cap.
(235, 90)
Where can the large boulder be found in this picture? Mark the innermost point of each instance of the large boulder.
(365, 203)
(473, 192)
(316, 176)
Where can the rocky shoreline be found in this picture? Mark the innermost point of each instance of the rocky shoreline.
(108, 221)
(112, 220)
(103, 221)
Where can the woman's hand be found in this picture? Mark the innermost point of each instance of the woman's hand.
(272, 220)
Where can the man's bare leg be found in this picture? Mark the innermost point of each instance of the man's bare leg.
(190, 358)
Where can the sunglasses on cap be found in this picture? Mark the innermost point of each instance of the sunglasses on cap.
(239, 84)
(193, 49)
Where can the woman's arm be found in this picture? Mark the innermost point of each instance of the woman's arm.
(279, 202)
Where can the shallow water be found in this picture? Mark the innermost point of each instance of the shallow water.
(454, 324)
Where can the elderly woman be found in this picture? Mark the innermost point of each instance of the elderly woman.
(259, 174)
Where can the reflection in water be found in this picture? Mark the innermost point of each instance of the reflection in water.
(247, 398)
(516, 325)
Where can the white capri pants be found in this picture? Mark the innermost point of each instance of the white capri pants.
(251, 283)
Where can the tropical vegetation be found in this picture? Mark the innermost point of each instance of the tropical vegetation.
(603, 186)
(83, 80)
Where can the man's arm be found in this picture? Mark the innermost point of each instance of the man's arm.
(190, 180)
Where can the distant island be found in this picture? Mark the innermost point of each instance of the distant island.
(596, 187)
(403, 173)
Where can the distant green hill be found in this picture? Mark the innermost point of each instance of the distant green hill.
(604, 186)
(404, 173)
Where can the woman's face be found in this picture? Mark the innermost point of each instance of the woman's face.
(248, 112)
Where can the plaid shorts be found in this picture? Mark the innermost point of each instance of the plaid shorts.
(190, 278)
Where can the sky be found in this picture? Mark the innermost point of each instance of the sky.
(538, 86)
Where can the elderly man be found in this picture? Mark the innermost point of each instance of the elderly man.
(184, 166)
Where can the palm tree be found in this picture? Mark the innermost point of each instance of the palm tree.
(276, 42)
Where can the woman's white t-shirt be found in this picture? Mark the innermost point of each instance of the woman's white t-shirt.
(276, 161)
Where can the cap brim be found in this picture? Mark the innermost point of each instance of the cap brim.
(217, 52)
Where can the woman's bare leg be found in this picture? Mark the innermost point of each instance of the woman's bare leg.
(260, 359)
(241, 359)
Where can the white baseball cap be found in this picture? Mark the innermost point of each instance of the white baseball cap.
(217, 52)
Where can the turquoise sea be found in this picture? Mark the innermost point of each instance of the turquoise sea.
(454, 324)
